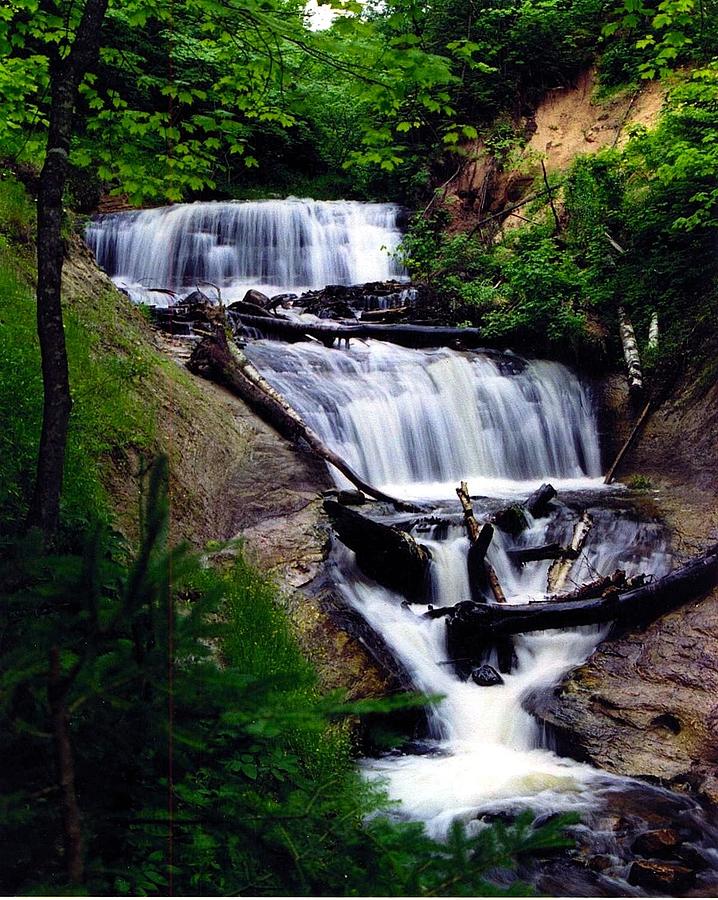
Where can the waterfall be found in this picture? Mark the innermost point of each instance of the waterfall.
(417, 422)
(271, 245)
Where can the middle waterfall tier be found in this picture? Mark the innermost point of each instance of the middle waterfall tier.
(424, 420)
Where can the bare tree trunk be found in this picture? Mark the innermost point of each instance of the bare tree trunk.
(71, 823)
(65, 77)
(653, 332)
(479, 538)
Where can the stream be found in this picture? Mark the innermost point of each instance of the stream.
(415, 423)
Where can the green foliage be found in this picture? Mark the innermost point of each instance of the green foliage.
(651, 37)
(204, 760)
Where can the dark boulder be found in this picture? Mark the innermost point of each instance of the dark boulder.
(486, 676)
(256, 297)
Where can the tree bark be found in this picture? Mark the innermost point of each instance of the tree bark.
(653, 332)
(65, 77)
(630, 353)
(71, 821)
(221, 360)
(481, 622)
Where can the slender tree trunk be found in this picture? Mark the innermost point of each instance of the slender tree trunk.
(66, 75)
(71, 821)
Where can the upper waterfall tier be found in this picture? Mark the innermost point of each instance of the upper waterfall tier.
(424, 420)
(272, 245)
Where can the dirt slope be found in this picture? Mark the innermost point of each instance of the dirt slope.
(230, 474)
(568, 122)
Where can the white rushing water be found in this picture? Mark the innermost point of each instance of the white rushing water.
(416, 423)
(270, 245)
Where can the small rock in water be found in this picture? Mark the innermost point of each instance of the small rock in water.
(486, 676)
(660, 876)
(661, 842)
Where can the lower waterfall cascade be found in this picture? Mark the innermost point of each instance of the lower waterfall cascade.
(416, 423)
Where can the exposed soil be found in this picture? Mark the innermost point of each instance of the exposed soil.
(568, 122)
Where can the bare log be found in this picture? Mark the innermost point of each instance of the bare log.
(480, 538)
(404, 335)
(472, 526)
(388, 555)
(560, 568)
(383, 315)
(523, 555)
(220, 360)
(478, 622)
(595, 588)
(630, 353)
(630, 440)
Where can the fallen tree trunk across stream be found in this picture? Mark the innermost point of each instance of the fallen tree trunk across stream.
(404, 335)
(220, 360)
(388, 555)
(470, 623)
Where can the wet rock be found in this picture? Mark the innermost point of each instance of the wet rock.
(256, 297)
(351, 498)
(657, 843)
(660, 875)
(486, 676)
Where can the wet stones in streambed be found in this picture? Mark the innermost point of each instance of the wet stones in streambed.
(660, 875)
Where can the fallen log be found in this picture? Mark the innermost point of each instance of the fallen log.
(597, 588)
(560, 567)
(630, 440)
(480, 538)
(383, 315)
(404, 335)
(470, 623)
(218, 359)
(523, 555)
(630, 353)
(388, 555)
